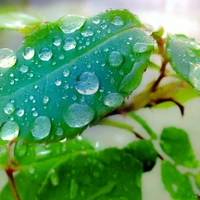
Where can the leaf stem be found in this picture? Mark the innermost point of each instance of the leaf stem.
(165, 60)
(9, 173)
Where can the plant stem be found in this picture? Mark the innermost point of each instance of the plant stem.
(9, 173)
(165, 60)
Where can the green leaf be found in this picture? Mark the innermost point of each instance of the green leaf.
(176, 144)
(22, 22)
(70, 73)
(177, 184)
(33, 163)
(197, 179)
(143, 150)
(95, 178)
(184, 56)
(78, 174)
(143, 123)
(3, 155)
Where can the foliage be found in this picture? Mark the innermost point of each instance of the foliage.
(77, 72)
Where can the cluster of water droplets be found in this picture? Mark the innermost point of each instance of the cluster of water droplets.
(79, 112)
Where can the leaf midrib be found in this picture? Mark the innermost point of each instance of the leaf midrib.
(71, 62)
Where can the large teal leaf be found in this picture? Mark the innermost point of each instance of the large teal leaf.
(175, 142)
(176, 183)
(184, 56)
(70, 73)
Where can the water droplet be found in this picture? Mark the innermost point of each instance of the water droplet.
(58, 82)
(45, 54)
(28, 53)
(57, 41)
(61, 57)
(115, 59)
(7, 58)
(118, 21)
(79, 115)
(71, 23)
(113, 100)
(73, 189)
(103, 24)
(142, 47)
(41, 127)
(59, 131)
(20, 112)
(9, 108)
(70, 44)
(87, 33)
(54, 178)
(23, 69)
(66, 73)
(9, 131)
(20, 149)
(87, 83)
(45, 99)
(96, 20)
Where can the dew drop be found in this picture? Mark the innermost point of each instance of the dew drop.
(71, 23)
(57, 41)
(9, 131)
(118, 21)
(59, 132)
(28, 53)
(9, 108)
(45, 54)
(7, 58)
(41, 127)
(20, 149)
(73, 189)
(54, 178)
(115, 59)
(113, 100)
(20, 112)
(87, 83)
(23, 69)
(87, 33)
(45, 99)
(70, 44)
(79, 115)
(66, 73)
(96, 20)
(58, 82)
(142, 47)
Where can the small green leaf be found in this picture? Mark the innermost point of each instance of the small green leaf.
(177, 184)
(22, 22)
(3, 155)
(143, 123)
(95, 178)
(34, 162)
(70, 73)
(143, 150)
(176, 144)
(197, 179)
(157, 34)
(184, 56)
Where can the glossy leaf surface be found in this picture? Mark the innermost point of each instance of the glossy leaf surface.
(184, 56)
(77, 168)
(177, 184)
(175, 143)
(69, 73)
(144, 151)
